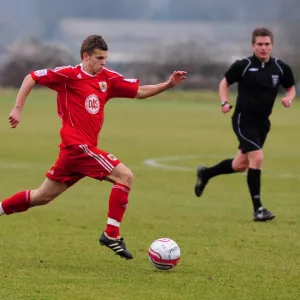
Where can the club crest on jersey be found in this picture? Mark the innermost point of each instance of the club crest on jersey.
(92, 104)
(103, 86)
(275, 79)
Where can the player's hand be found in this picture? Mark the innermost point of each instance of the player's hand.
(176, 78)
(14, 117)
(226, 108)
(286, 102)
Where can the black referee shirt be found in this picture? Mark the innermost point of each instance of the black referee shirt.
(258, 83)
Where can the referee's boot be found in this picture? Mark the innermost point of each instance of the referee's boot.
(201, 181)
(263, 215)
(117, 245)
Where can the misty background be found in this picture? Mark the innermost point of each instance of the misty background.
(147, 39)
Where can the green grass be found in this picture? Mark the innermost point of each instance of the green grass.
(52, 252)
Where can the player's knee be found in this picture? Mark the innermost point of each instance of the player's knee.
(256, 160)
(259, 159)
(126, 177)
(241, 168)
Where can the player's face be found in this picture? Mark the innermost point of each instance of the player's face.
(262, 47)
(94, 63)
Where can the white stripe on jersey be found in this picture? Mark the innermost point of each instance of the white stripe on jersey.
(66, 91)
(61, 68)
(100, 159)
(112, 71)
(249, 63)
(276, 62)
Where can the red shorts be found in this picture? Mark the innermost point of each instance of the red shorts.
(78, 161)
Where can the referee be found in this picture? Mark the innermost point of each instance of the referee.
(259, 77)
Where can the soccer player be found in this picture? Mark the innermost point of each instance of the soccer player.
(82, 92)
(259, 77)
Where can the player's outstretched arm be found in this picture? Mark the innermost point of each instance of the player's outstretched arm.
(26, 87)
(146, 91)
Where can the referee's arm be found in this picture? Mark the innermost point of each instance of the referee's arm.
(290, 95)
(224, 91)
(232, 75)
(288, 83)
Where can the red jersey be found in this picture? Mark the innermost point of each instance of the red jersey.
(81, 99)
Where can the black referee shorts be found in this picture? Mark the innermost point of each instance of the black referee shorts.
(250, 131)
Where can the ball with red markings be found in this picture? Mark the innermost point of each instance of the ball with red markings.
(164, 254)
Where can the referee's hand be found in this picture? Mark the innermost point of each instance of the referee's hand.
(286, 102)
(226, 108)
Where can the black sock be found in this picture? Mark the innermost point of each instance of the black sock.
(253, 180)
(223, 167)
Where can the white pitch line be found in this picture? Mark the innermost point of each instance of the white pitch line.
(159, 163)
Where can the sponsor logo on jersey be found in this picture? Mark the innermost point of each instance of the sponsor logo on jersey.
(103, 86)
(130, 80)
(111, 157)
(275, 79)
(92, 104)
(40, 73)
(253, 69)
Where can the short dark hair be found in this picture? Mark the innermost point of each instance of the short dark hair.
(91, 43)
(261, 32)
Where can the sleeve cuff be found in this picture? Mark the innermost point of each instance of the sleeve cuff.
(34, 77)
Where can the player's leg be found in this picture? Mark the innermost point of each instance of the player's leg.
(122, 179)
(22, 201)
(254, 177)
(240, 163)
(227, 166)
(204, 174)
(253, 136)
(59, 178)
(98, 164)
(256, 159)
(47, 192)
(260, 214)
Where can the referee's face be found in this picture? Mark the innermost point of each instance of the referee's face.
(262, 47)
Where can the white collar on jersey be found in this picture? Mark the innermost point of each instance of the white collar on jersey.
(81, 67)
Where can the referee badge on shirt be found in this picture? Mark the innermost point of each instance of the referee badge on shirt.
(275, 79)
(103, 86)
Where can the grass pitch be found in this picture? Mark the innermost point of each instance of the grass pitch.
(52, 252)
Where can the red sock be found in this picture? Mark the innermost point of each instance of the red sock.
(17, 203)
(118, 201)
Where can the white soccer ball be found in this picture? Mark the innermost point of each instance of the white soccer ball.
(164, 254)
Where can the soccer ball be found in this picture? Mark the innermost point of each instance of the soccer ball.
(164, 254)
